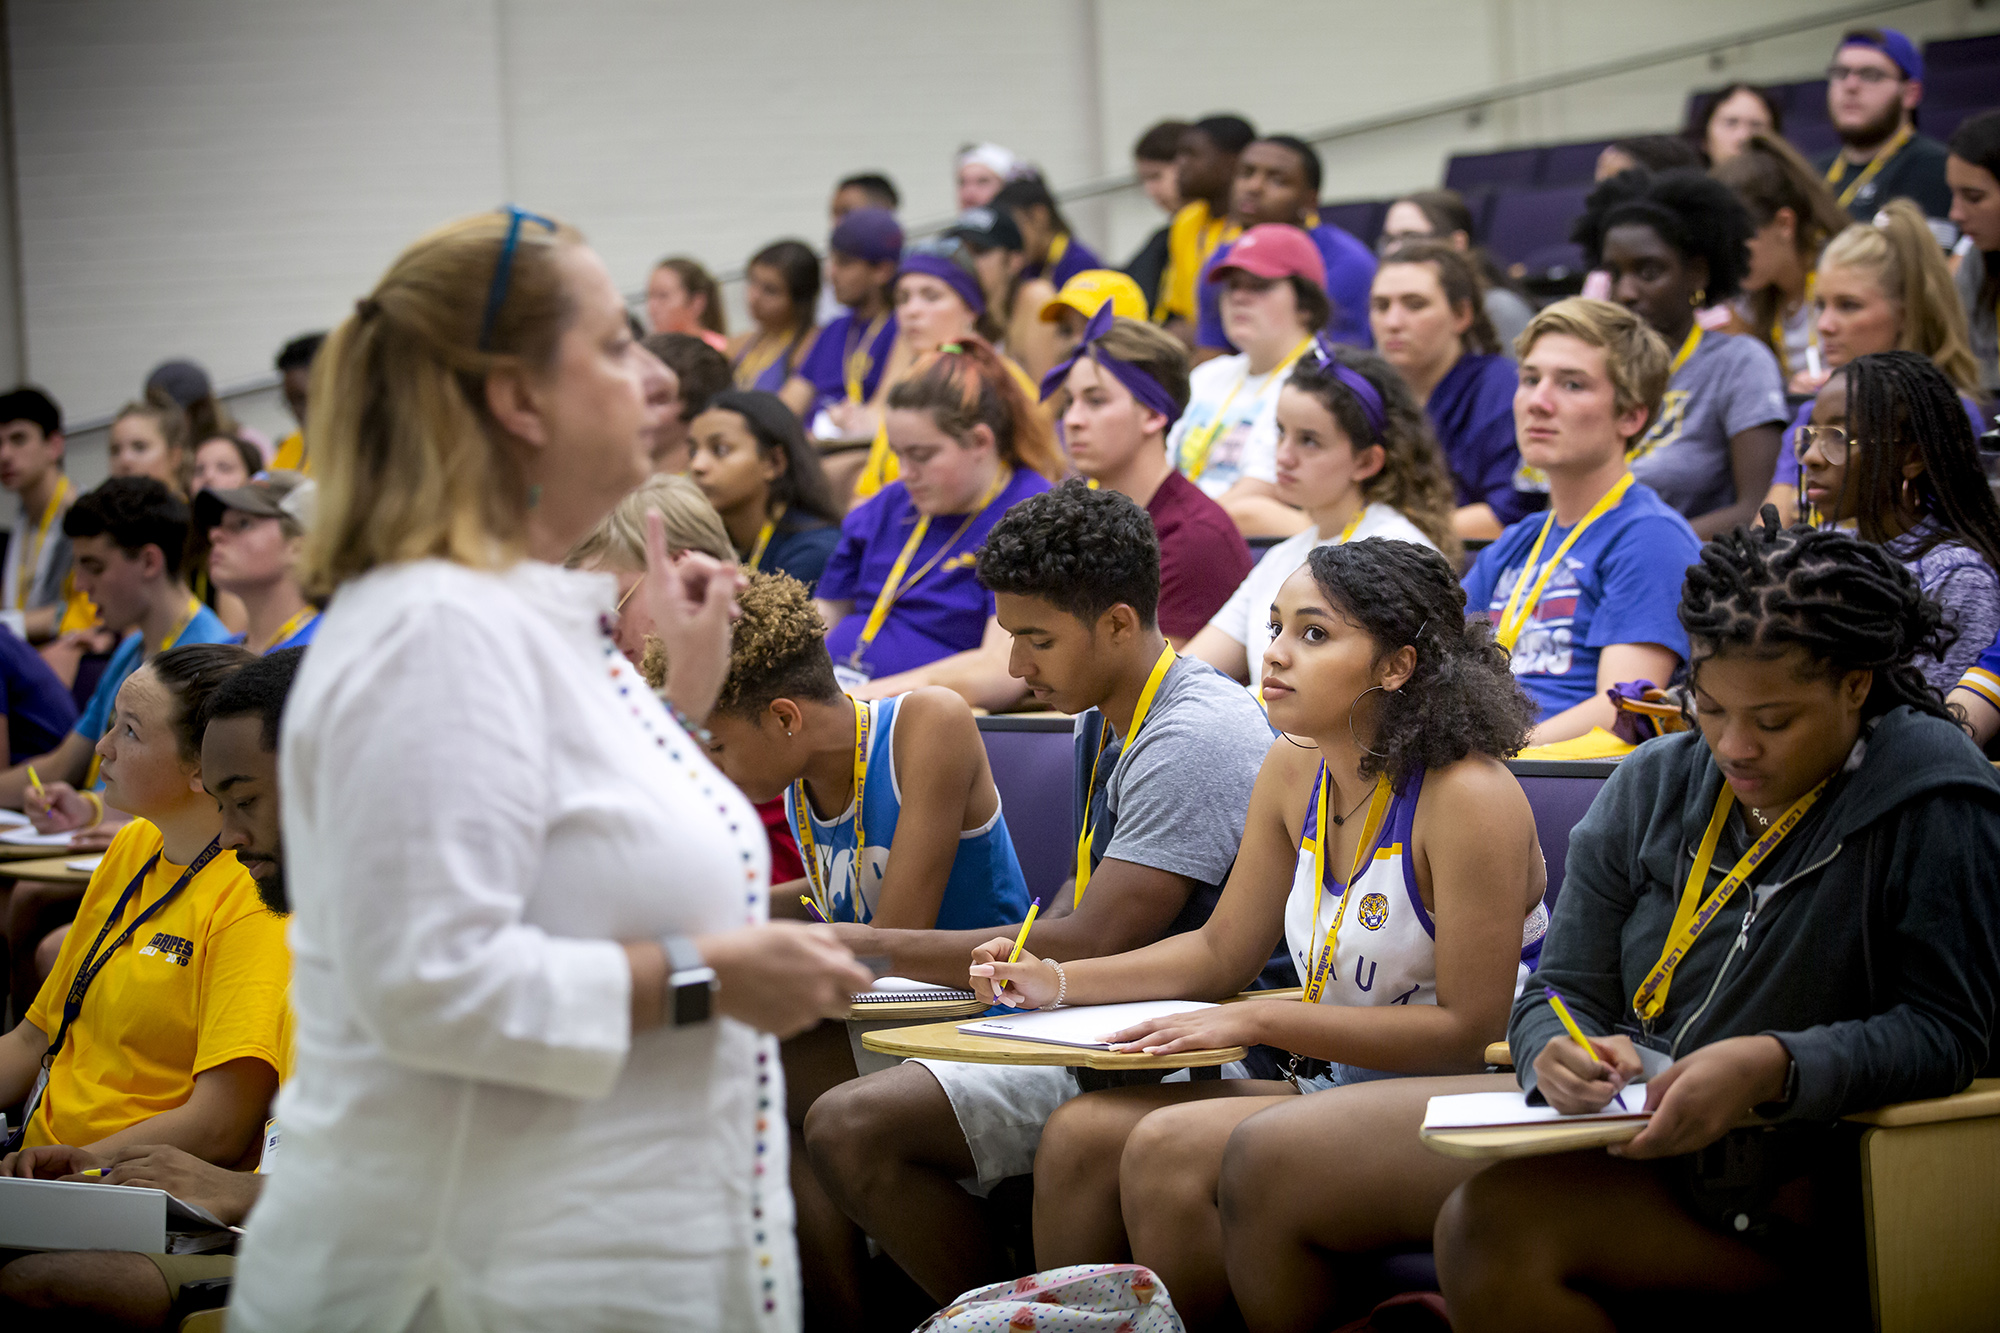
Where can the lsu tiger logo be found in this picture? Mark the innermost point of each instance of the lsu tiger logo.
(1374, 911)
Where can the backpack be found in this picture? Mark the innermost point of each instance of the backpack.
(1088, 1298)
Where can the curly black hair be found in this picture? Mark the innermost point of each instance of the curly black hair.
(256, 689)
(1697, 215)
(1849, 603)
(1462, 698)
(135, 512)
(1901, 408)
(1082, 551)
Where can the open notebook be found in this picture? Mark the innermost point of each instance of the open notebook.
(901, 990)
(1086, 1026)
(1502, 1110)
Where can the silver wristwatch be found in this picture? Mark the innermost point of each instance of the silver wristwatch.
(691, 983)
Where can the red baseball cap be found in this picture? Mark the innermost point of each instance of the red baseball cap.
(1273, 250)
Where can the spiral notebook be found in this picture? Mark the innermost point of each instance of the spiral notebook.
(902, 990)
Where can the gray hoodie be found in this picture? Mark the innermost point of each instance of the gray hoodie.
(1874, 950)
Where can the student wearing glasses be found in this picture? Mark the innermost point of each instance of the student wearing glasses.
(1873, 88)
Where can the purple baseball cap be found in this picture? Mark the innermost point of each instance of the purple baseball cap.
(1892, 44)
(871, 235)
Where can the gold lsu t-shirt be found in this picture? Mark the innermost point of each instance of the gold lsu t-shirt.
(201, 983)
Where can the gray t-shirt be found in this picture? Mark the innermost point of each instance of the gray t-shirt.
(1960, 581)
(1176, 798)
(1983, 323)
(1729, 385)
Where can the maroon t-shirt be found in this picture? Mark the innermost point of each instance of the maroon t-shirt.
(1202, 556)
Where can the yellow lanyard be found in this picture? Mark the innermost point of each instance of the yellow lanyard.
(861, 349)
(1352, 524)
(758, 357)
(31, 556)
(1195, 448)
(763, 539)
(293, 626)
(1322, 968)
(1138, 720)
(1690, 921)
(896, 586)
(1838, 167)
(1688, 347)
(1515, 617)
(180, 626)
(822, 893)
(1057, 249)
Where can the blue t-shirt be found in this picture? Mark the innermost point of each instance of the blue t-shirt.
(40, 711)
(843, 347)
(298, 638)
(985, 887)
(1620, 583)
(942, 613)
(1472, 411)
(799, 546)
(95, 720)
(1350, 273)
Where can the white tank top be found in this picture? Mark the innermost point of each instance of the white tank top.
(1385, 951)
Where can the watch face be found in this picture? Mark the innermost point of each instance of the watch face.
(691, 1003)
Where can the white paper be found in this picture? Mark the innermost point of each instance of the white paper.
(1086, 1026)
(27, 837)
(12, 819)
(1494, 1110)
(903, 989)
(88, 864)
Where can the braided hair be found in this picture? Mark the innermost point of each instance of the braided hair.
(1462, 698)
(1849, 603)
(1900, 409)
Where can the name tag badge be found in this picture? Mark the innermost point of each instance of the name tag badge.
(270, 1147)
(850, 675)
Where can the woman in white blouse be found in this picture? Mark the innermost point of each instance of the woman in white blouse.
(532, 960)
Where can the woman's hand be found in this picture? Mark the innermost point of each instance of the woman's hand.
(692, 599)
(784, 977)
(1029, 984)
(1240, 1024)
(225, 1193)
(1575, 1084)
(1699, 1098)
(51, 1161)
(57, 808)
(1804, 383)
(856, 421)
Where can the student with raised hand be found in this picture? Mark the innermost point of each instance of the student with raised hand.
(1153, 163)
(1880, 287)
(1671, 244)
(1411, 925)
(840, 375)
(1973, 172)
(181, 1041)
(150, 439)
(753, 462)
(1277, 183)
(1429, 324)
(252, 535)
(35, 575)
(1052, 253)
(1273, 303)
(1127, 384)
(1851, 832)
(1167, 753)
(780, 286)
(899, 591)
(1204, 172)
(1358, 460)
(1888, 450)
(684, 297)
(1583, 597)
(1873, 87)
(1441, 215)
(1793, 215)
(697, 372)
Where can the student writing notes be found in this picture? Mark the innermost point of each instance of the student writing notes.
(1795, 905)
(1583, 596)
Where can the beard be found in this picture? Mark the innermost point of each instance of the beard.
(271, 892)
(1875, 131)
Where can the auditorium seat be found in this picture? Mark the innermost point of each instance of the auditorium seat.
(1360, 218)
(1559, 792)
(1571, 163)
(1962, 52)
(1525, 221)
(1511, 166)
(1033, 761)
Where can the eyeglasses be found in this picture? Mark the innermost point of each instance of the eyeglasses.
(1831, 441)
(503, 272)
(636, 585)
(1868, 74)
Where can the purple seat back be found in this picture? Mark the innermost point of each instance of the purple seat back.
(1034, 763)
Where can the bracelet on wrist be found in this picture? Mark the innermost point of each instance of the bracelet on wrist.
(702, 735)
(1062, 983)
(96, 808)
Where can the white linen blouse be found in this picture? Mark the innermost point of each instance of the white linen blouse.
(481, 798)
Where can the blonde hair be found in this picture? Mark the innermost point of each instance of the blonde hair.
(1910, 269)
(1636, 358)
(690, 520)
(408, 459)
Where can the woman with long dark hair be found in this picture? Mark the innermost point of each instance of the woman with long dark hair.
(1973, 172)
(781, 286)
(752, 461)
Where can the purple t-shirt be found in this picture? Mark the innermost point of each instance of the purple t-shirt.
(1787, 473)
(838, 346)
(1350, 273)
(1472, 411)
(944, 612)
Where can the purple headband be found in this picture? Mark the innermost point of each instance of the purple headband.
(1145, 390)
(950, 274)
(1357, 384)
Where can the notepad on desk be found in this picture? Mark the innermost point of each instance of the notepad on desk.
(1506, 1110)
(76, 1215)
(27, 837)
(85, 865)
(1086, 1026)
(902, 990)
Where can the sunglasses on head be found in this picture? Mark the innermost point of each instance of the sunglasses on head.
(503, 271)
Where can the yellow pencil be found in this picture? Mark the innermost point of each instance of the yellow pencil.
(1021, 940)
(34, 780)
(1569, 1024)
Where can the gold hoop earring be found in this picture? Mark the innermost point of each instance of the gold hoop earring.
(1700, 297)
(1378, 754)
